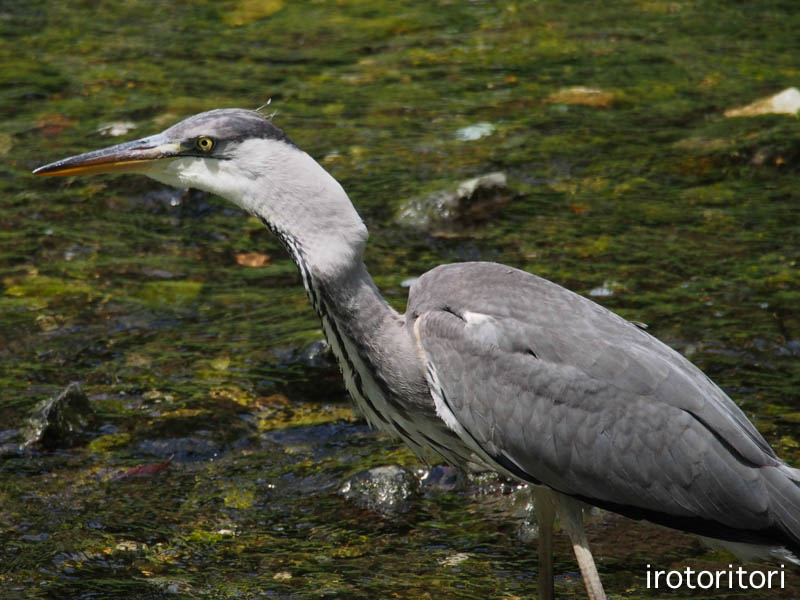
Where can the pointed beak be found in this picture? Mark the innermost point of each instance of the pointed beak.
(127, 157)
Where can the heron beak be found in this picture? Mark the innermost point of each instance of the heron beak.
(128, 157)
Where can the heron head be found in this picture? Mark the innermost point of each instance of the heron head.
(241, 156)
(221, 151)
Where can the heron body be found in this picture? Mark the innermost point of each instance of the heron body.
(494, 367)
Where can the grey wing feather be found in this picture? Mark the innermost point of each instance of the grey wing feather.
(581, 400)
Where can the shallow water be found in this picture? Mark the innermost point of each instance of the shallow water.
(642, 195)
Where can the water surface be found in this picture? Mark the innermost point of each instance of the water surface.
(641, 194)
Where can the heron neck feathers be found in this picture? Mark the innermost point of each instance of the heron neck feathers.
(302, 201)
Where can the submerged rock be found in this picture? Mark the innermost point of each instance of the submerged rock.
(11, 449)
(317, 355)
(441, 478)
(509, 501)
(471, 201)
(786, 102)
(187, 449)
(60, 421)
(387, 491)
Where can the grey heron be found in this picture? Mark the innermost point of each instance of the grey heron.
(492, 366)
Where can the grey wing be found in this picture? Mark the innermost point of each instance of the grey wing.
(557, 390)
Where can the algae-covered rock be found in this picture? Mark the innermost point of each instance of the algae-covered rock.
(60, 421)
(469, 202)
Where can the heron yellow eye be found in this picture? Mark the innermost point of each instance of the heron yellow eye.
(204, 143)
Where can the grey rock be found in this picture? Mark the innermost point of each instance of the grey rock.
(475, 132)
(317, 355)
(441, 478)
(60, 421)
(388, 491)
(470, 202)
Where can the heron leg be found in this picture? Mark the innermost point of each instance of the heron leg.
(544, 505)
(571, 514)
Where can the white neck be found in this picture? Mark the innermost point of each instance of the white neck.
(291, 192)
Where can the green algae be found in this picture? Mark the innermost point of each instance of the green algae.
(108, 442)
(689, 218)
(171, 293)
